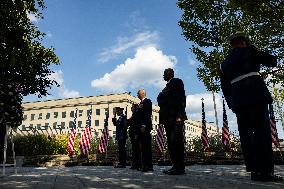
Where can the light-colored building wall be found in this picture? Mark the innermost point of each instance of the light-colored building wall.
(54, 117)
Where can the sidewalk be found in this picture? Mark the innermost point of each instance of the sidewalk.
(198, 176)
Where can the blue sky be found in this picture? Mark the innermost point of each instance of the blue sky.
(121, 46)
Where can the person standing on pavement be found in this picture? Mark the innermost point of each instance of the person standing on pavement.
(172, 102)
(121, 135)
(133, 133)
(248, 96)
(144, 113)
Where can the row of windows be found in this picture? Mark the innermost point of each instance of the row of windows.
(63, 114)
(56, 125)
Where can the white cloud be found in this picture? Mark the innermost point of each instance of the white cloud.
(62, 91)
(136, 22)
(145, 69)
(57, 76)
(33, 18)
(125, 43)
(193, 108)
(70, 93)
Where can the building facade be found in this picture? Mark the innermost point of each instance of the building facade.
(55, 117)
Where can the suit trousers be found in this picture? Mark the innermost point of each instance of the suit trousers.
(146, 149)
(256, 141)
(122, 151)
(174, 133)
(136, 152)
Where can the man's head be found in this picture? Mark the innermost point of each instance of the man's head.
(141, 94)
(239, 40)
(119, 111)
(168, 74)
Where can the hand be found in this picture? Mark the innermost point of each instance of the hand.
(179, 121)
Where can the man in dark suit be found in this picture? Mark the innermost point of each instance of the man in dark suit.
(134, 132)
(144, 112)
(121, 135)
(247, 95)
(172, 102)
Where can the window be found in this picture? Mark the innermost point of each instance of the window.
(25, 117)
(63, 114)
(80, 124)
(46, 126)
(47, 116)
(98, 112)
(97, 123)
(88, 112)
(70, 124)
(23, 127)
(54, 125)
(55, 114)
(80, 113)
(32, 117)
(40, 116)
(38, 126)
(72, 114)
(31, 126)
(156, 118)
(62, 125)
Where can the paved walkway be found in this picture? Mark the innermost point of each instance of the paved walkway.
(198, 176)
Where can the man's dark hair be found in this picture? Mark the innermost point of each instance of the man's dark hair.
(170, 71)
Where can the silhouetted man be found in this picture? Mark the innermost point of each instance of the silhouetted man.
(172, 102)
(145, 121)
(247, 95)
(121, 136)
(134, 132)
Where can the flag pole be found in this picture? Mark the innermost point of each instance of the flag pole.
(215, 109)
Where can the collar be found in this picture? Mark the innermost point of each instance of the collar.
(170, 80)
(143, 99)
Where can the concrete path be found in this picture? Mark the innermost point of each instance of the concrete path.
(198, 176)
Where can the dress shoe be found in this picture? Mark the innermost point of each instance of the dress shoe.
(175, 172)
(120, 166)
(265, 177)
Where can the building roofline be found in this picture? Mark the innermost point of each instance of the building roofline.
(51, 100)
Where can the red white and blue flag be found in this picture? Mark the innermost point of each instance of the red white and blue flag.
(104, 137)
(225, 128)
(71, 140)
(160, 139)
(204, 136)
(274, 134)
(86, 137)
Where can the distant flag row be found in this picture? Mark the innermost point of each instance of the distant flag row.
(160, 138)
(85, 141)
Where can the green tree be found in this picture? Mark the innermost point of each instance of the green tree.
(24, 61)
(207, 24)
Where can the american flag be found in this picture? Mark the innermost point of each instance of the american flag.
(70, 144)
(160, 139)
(104, 137)
(86, 137)
(225, 128)
(274, 134)
(204, 136)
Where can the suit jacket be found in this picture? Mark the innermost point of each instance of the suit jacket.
(121, 127)
(172, 102)
(144, 113)
(134, 125)
(251, 90)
